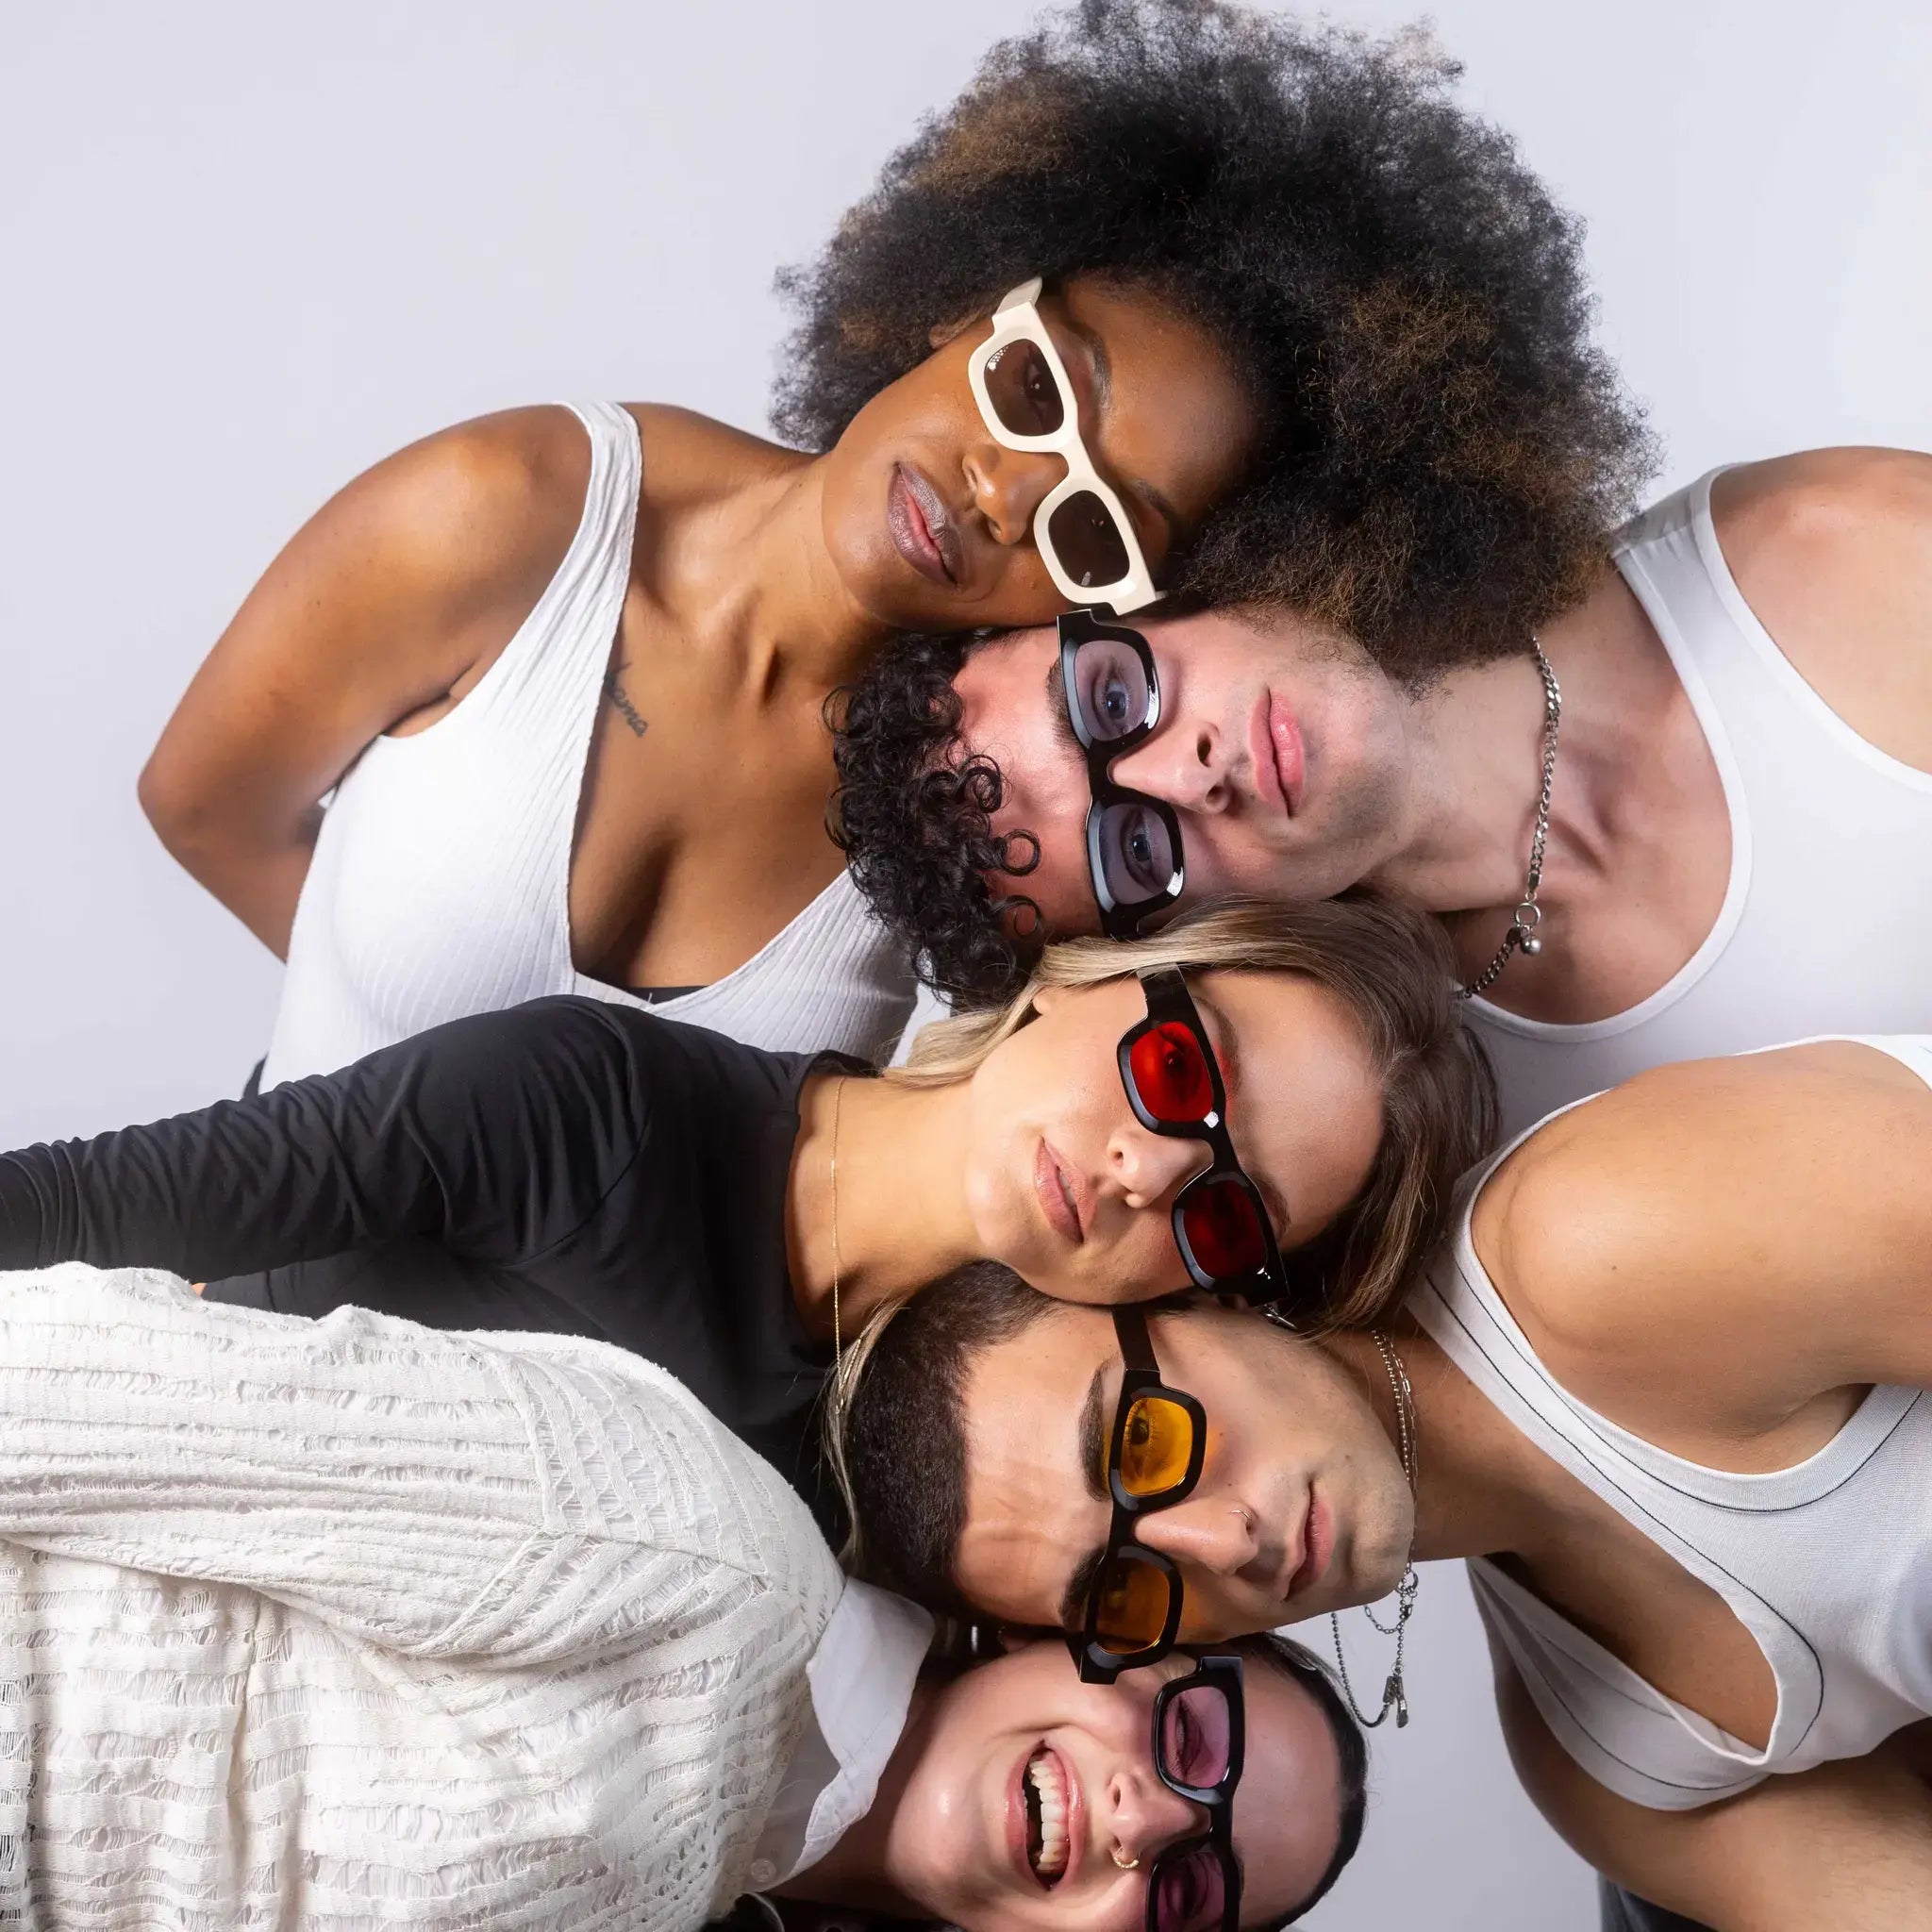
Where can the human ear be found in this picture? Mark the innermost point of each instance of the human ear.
(941, 333)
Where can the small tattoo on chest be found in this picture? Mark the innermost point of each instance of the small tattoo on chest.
(620, 701)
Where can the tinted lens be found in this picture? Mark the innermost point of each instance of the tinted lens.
(1024, 395)
(1087, 540)
(1132, 1606)
(1223, 1223)
(1171, 1074)
(1112, 697)
(1155, 1446)
(1187, 1893)
(1196, 1729)
(1134, 855)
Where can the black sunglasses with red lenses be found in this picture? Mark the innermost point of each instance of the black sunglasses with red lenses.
(1112, 695)
(1200, 1741)
(1173, 1084)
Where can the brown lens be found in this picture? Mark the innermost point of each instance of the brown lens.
(1020, 384)
(1131, 1610)
(1087, 542)
(1156, 1447)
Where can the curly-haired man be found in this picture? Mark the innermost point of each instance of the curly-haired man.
(1688, 810)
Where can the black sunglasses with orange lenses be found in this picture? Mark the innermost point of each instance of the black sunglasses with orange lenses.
(1200, 1742)
(1154, 1454)
(1173, 1084)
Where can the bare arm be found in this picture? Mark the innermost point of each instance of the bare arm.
(1847, 1845)
(393, 597)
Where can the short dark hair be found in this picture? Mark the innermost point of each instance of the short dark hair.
(898, 1430)
(1351, 1753)
(1442, 450)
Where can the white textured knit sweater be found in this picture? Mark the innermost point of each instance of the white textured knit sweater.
(347, 1624)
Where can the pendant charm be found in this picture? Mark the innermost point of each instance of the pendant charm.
(1391, 1693)
(1530, 945)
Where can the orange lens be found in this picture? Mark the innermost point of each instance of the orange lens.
(1132, 1604)
(1156, 1447)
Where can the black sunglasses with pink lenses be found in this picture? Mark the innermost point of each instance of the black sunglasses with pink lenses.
(1199, 1729)
(1173, 1085)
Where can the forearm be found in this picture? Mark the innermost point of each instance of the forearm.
(493, 1135)
(255, 873)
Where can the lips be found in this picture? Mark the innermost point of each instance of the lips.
(1318, 1544)
(923, 531)
(1044, 1816)
(1062, 1199)
(1276, 750)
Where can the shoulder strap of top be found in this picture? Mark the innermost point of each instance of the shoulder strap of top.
(551, 669)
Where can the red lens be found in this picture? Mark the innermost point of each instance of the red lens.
(1171, 1074)
(1224, 1229)
(1188, 1892)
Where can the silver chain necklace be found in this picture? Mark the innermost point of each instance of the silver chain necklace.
(1393, 1696)
(1522, 936)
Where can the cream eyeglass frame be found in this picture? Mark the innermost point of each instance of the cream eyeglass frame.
(1014, 320)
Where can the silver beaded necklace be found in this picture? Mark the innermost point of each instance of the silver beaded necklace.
(1394, 1695)
(1406, 1436)
(1522, 936)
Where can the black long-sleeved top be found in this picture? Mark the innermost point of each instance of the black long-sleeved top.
(568, 1165)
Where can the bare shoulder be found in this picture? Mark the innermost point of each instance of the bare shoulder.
(489, 497)
(1707, 1213)
(1832, 549)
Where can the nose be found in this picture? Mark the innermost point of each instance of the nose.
(1008, 486)
(1147, 1168)
(1142, 1818)
(1186, 763)
(1213, 1534)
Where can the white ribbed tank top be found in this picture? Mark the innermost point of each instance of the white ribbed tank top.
(1826, 925)
(440, 881)
(1829, 1565)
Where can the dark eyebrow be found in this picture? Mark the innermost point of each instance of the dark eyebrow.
(1080, 1587)
(1153, 497)
(1228, 1053)
(1091, 1431)
(1060, 710)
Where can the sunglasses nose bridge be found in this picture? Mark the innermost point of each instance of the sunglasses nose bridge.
(1008, 486)
(1144, 1818)
(1152, 1168)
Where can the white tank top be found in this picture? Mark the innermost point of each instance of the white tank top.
(1828, 1565)
(440, 881)
(1826, 925)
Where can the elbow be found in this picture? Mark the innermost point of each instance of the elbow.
(183, 815)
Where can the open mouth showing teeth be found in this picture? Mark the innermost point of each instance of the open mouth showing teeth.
(1046, 1815)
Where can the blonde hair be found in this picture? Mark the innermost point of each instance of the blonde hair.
(1389, 963)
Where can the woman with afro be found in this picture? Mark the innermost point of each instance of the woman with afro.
(1175, 300)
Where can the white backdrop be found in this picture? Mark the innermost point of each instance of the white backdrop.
(245, 250)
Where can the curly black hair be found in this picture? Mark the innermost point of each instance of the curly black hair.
(1442, 449)
(914, 819)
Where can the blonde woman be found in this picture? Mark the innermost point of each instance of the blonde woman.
(1268, 1102)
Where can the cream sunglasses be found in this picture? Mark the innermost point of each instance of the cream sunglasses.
(1083, 532)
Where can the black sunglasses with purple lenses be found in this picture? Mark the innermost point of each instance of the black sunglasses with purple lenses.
(1112, 695)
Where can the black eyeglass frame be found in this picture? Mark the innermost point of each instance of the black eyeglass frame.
(1118, 920)
(1170, 1004)
(1223, 1672)
(1139, 1378)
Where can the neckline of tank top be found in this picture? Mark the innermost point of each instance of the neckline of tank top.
(1718, 742)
